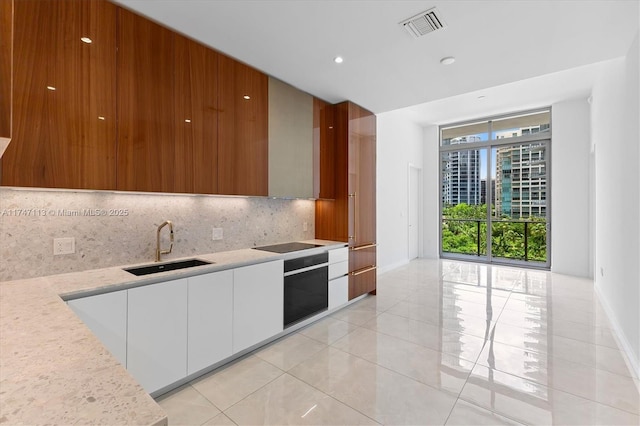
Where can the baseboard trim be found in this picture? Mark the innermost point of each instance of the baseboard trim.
(634, 363)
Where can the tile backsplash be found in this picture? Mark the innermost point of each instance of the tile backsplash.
(112, 229)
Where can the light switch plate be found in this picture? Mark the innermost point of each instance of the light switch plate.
(218, 234)
(64, 246)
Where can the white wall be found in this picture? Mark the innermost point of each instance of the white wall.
(432, 192)
(616, 138)
(570, 189)
(399, 143)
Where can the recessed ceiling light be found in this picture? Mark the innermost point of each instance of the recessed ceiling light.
(86, 40)
(51, 88)
(448, 60)
(338, 59)
(247, 97)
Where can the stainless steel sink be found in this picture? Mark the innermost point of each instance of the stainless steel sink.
(164, 267)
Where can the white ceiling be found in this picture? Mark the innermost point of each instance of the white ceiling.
(496, 44)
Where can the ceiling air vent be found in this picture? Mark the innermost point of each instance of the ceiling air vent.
(424, 23)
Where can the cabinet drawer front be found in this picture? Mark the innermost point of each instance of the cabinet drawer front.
(362, 258)
(338, 269)
(362, 281)
(338, 292)
(338, 255)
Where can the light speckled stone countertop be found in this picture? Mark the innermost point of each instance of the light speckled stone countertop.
(53, 370)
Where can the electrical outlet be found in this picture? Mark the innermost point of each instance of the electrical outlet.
(217, 234)
(305, 226)
(64, 246)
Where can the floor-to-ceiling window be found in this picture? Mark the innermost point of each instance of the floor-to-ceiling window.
(495, 186)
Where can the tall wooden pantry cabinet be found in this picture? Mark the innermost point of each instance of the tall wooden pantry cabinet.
(351, 215)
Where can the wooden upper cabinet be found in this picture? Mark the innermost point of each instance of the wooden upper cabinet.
(6, 43)
(64, 114)
(196, 117)
(146, 132)
(243, 143)
(324, 145)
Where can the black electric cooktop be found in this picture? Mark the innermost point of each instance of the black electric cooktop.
(287, 247)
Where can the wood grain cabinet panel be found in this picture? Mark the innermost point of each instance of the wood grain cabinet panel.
(146, 132)
(351, 216)
(362, 174)
(196, 117)
(324, 149)
(64, 133)
(243, 133)
(6, 43)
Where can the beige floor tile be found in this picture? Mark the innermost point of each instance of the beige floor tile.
(186, 406)
(596, 356)
(566, 375)
(220, 420)
(455, 289)
(376, 303)
(450, 319)
(428, 335)
(441, 371)
(328, 330)
(233, 383)
(586, 333)
(377, 392)
(290, 351)
(496, 300)
(354, 315)
(597, 385)
(466, 414)
(289, 401)
(525, 363)
(529, 335)
(532, 403)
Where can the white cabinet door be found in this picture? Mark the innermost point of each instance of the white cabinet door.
(157, 334)
(106, 316)
(258, 294)
(338, 292)
(210, 319)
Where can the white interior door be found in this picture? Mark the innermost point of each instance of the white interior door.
(413, 214)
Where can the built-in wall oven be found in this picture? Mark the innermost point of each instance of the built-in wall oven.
(305, 287)
(306, 280)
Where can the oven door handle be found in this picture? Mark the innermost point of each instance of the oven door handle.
(307, 269)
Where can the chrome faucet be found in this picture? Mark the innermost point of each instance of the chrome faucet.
(158, 251)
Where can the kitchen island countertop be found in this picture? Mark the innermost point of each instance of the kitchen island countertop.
(53, 370)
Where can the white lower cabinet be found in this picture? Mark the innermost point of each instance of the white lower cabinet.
(338, 278)
(258, 294)
(157, 334)
(338, 292)
(210, 311)
(166, 331)
(106, 316)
